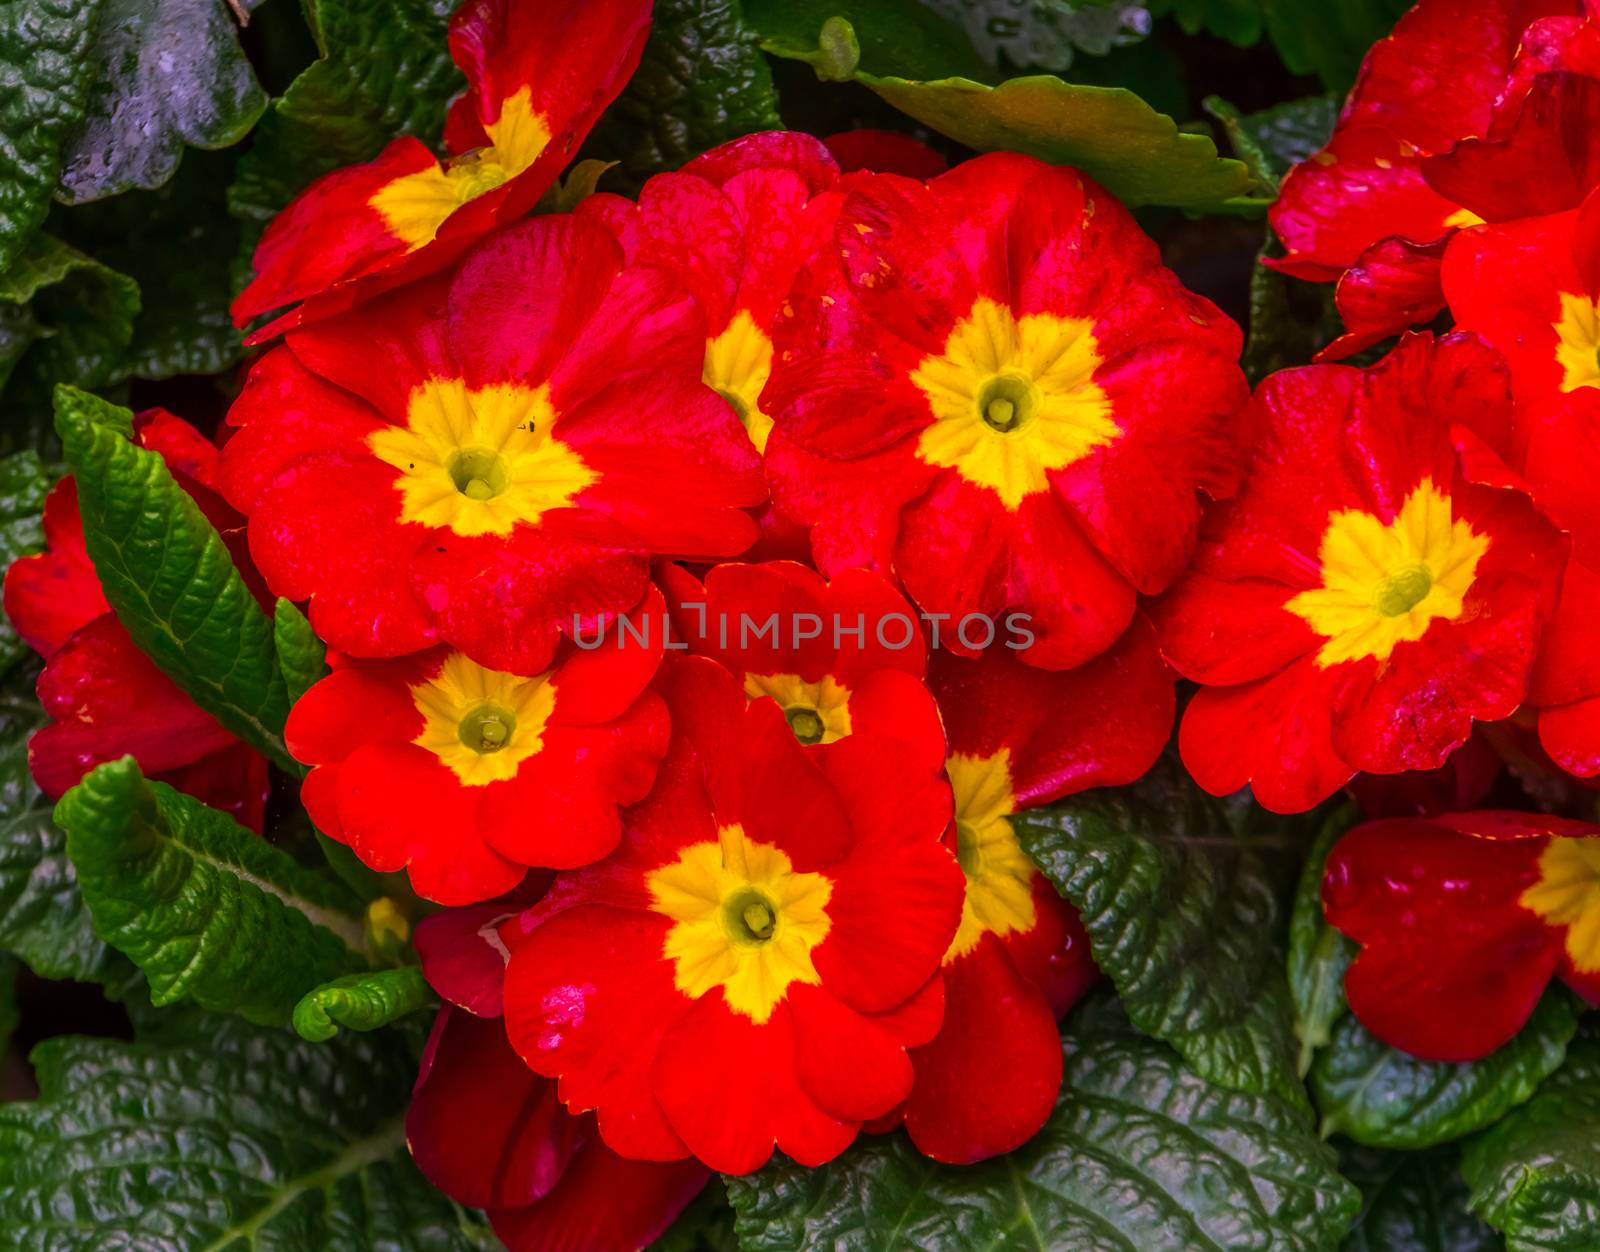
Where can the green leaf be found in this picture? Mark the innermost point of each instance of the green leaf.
(1536, 1175)
(1329, 40)
(166, 73)
(1381, 1096)
(1047, 34)
(44, 83)
(169, 576)
(705, 1226)
(1107, 132)
(363, 1001)
(702, 81)
(1273, 140)
(1412, 1202)
(10, 1015)
(1183, 916)
(1140, 1155)
(1290, 320)
(892, 36)
(302, 657)
(43, 919)
(207, 910)
(1237, 21)
(179, 244)
(237, 1140)
(384, 71)
(64, 318)
(24, 483)
(1318, 953)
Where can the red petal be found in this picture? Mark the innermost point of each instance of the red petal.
(990, 1078)
(482, 1126)
(1451, 966)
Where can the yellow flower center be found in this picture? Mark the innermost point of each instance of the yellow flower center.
(744, 921)
(479, 462)
(1462, 219)
(480, 722)
(1578, 341)
(1013, 398)
(818, 712)
(1385, 584)
(738, 364)
(1568, 894)
(415, 206)
(999, 874)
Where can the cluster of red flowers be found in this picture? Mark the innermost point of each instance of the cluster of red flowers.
(536, 478)
(1461, 182)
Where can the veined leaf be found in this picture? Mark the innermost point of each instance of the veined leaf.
(64, 318)
(1379, 1095)
(1318, 953)
(363, 1001)
(43, 919)
(206, 909)
(384, 71)
(44, 83)
(902, 37)
(1412, 1202)
(205, 1144)
(1536, 1175)
(24, 483)
(301, 655)
(1183, 916)
(170, 578)
(165, 73)
(179, 244)
(1237, 21)
(702, 81)
(1107, 132)
(1141, 1155)
(1273, 140)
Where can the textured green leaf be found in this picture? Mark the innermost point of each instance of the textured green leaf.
(64, 318)
(43, 919)
(1329, 40)
(900, 37)
(1379, 1095)
(1318, 953)
(705, 1226)
(1107, 132)
(10, 967)
(301, 655)
(1046, 34)
(362, 1001)
(205, 908)
(179, 244)
(241, 1139)
(1183, 916)
(701, 82)
(166, 73)
(1237, 21)
(44, 83)
(24, 483)
(1273, 140)
(1536, 1175)
(384, 71)
(1141, 1155)
(169, 577)
(1412, 1202)
(1290, 321)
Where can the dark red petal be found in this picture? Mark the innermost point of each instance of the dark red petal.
(483, 1127)
(604, 1203)
(1545, 161)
